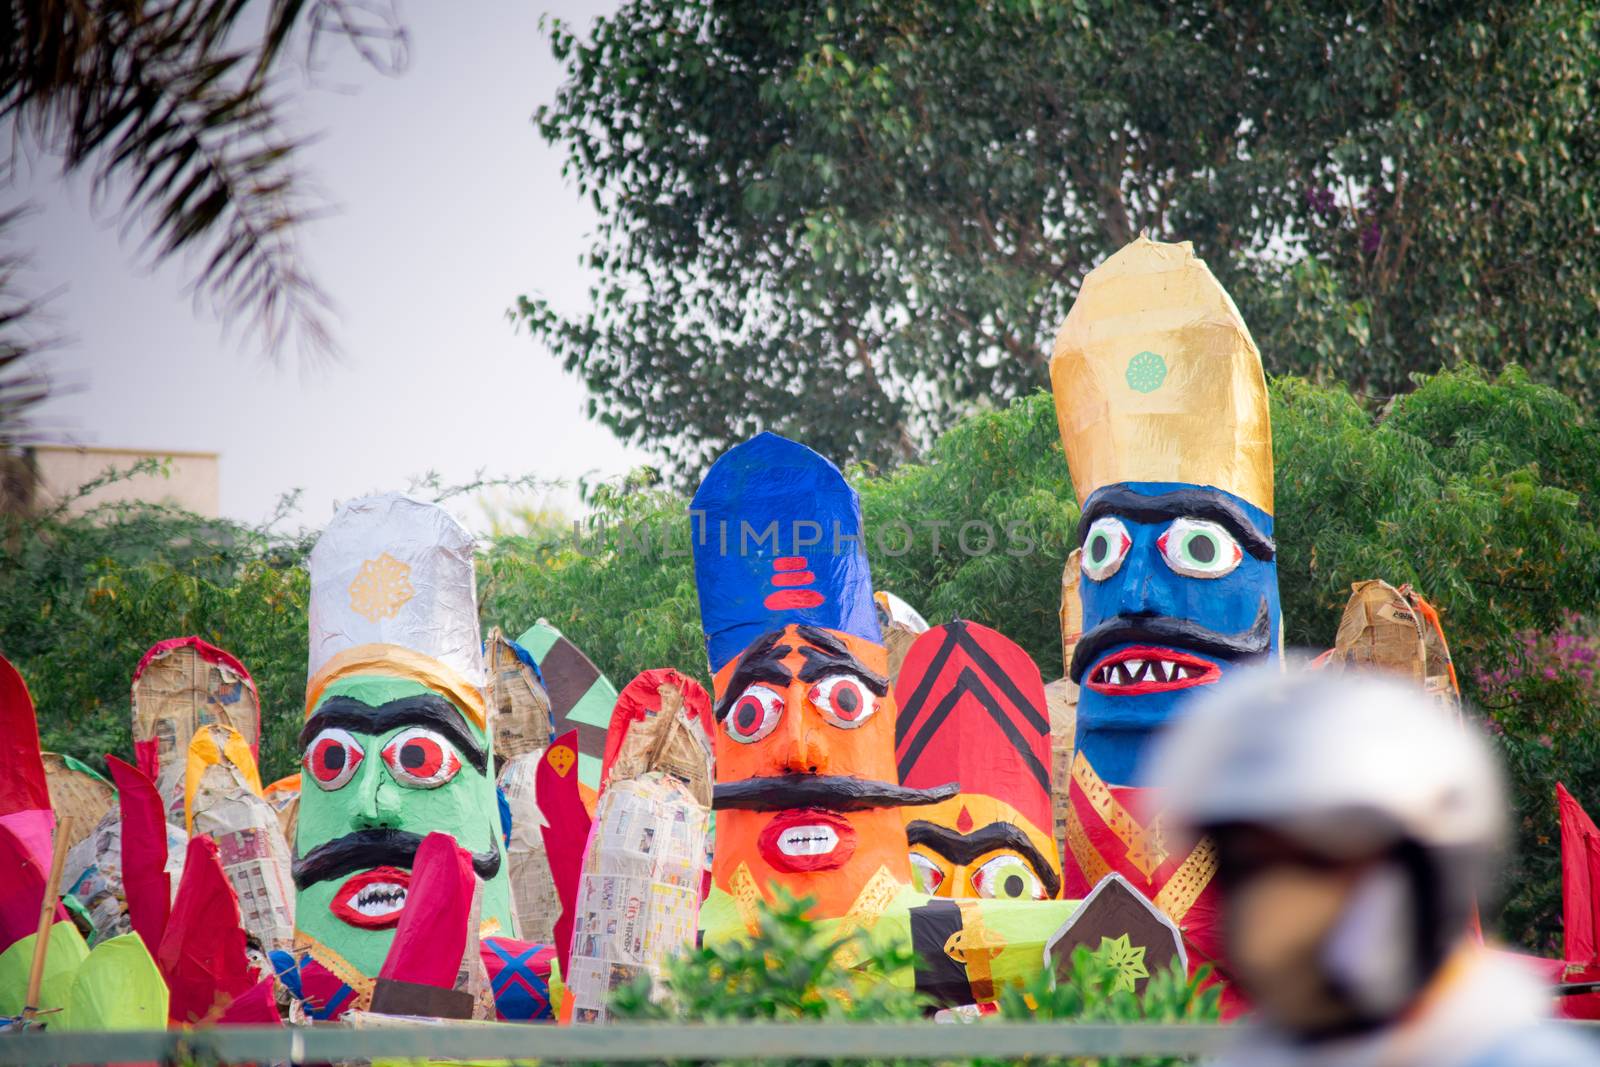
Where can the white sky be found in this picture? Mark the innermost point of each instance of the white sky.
(448, 205)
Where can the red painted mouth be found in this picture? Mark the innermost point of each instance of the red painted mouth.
(372, 900)
(1147, 669)
(807, 839)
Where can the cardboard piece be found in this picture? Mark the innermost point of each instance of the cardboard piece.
(1061, 702)
(78, 791)
(518, 703)
(284, 796)
(396, 724)
(225, 807)
(581, 697)
(972, 710)
(1396, 631)
(638, 897)
(1117, 920)
(180, 685)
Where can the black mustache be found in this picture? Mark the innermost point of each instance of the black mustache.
(830, 792)
(363, 850)
(1176, 633)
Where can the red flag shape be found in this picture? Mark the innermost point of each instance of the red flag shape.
(202, 952)
(565, 831)
(145, 883)
(25, 806)
(1580, 845)
(432, 936)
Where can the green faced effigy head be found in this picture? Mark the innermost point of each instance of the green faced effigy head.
(395, 744)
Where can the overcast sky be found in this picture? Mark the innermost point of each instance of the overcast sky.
(448, 206)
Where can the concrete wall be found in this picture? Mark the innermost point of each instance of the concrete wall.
(192, 480)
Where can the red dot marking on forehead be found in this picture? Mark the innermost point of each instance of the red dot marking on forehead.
(790, 599)
(789, 563)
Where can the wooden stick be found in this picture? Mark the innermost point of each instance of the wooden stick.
(47, 912)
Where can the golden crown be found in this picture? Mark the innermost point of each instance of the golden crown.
(1156, 379)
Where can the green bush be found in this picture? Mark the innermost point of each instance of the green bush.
(1480, 492)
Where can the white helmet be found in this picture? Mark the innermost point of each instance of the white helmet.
(1343, 763)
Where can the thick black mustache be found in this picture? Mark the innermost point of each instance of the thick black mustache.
(1181, 634)
(830, 792)
(363, 850)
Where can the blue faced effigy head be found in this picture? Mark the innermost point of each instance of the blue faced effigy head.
(1162, 406)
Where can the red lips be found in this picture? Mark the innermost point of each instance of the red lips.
(807, 839)
(372, 900)
(1148, 669)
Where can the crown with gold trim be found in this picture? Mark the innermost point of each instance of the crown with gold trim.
(1156, 379)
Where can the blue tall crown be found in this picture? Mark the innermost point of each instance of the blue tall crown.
(777, 540)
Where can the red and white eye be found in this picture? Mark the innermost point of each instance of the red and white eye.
(754, 715)
(926, 874)
(420, 758)
(844, 700)
(1105, 546)
(332, 757)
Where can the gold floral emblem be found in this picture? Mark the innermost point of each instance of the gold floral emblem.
(381, 588)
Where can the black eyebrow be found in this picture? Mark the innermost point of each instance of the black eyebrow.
(1178, 504)
(761, 662)
(964, 848)
(820, 663)
(423, 709)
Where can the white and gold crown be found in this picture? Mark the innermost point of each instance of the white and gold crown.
(1156, 379)
(392, 592)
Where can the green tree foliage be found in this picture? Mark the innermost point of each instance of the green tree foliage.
(1481, 492)
(854, 222)
(788, 971)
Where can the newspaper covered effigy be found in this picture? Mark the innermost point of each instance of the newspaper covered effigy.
(179, 686)
(519, 707)
(92, 874)
(639, 896)
(284, 796)
(250, 845)
(78, 791)
(1061, 700)
(535, 903)
(1396, 631)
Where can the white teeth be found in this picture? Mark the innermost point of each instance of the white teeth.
(1135, 668)
(380, 898)
(807, 841)
(1133, 671)
(1179, 672)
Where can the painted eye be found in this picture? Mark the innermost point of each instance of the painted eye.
(1199, 549)
(1007, 877)
(332, 758)
(420, 758)
(1105, 546)
(754, 714)
(844, 700)
(926, 875)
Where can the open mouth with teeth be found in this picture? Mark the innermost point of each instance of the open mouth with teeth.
(372, 900)
(807, 839)
(1145, 669)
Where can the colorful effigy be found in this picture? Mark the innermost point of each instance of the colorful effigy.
(972, 702)
(396, 739)
(1162, 407)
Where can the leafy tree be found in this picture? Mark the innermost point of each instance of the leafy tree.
(855, 222)
(175, 110)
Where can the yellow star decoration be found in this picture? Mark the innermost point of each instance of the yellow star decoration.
(1125, 959)
(381, 588)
